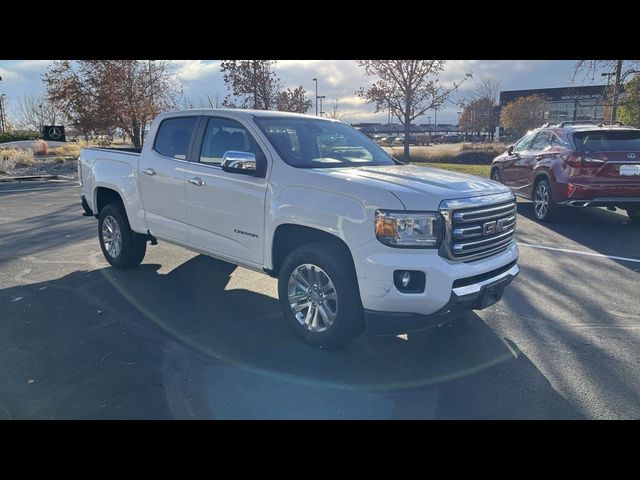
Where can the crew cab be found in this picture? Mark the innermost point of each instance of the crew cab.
(574, 164)
(356, 239)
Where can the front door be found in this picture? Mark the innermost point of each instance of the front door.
(162, 178)
(513, 162)
(225, 211)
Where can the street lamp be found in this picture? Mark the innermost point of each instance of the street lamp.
(320, 98)
(316, 80)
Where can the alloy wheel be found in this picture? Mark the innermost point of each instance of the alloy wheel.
(312, 297)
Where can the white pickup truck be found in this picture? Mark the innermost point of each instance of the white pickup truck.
(356, 239)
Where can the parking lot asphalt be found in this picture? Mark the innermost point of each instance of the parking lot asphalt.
(186, 336)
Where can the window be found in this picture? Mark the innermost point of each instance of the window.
(311, 143)
(174, 135)
(607, 141)
(542, 141)
(523, 144)
(223, 135)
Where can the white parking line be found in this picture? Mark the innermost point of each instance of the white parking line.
(578, 252)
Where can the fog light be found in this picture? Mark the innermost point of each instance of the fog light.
(409, 281)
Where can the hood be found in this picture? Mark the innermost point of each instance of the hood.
(420, 188)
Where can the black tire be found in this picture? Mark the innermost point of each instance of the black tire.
(549, 212)
(634, 214)
(338, 267)
(133, 245)
(495, 175)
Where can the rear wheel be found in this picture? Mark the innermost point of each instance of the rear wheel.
(121, 246)
(634, 214)
(319, 295)
(544, 207)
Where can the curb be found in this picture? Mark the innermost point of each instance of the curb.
(35, 177)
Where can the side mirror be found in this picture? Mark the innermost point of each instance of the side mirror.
(244, 163)
(510, 149)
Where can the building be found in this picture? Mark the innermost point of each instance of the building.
(396, 129)
(566, 103)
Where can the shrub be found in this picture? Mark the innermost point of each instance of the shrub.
(17, 135)
(68, 149)
(15, 157)
(40, 147)
(59, 160)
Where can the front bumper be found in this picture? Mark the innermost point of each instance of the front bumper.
(474, 296)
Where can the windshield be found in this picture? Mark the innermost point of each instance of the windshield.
(311, 143)
(611, 141)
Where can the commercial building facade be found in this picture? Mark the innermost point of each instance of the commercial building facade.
(567, 103)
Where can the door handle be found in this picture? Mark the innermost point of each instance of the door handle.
(197, 181)
(149, 171)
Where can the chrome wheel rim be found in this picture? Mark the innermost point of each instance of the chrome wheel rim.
(541, 201)
(496, 175)
(111, 236)
(312, 297)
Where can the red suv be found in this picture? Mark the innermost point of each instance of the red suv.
(574, 164)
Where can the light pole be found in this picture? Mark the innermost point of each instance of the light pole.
(320, 98)
(430, 136)
(3, 125)
(316, 80)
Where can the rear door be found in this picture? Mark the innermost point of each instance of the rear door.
(225, 211)
(162, 178)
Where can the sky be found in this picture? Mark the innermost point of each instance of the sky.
(336, 79)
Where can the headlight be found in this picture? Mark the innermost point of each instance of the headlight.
(408, 229)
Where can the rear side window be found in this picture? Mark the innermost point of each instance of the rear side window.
(607, 141)
(174, 135)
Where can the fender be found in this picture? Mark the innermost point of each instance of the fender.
(104, 171)
(338, 214)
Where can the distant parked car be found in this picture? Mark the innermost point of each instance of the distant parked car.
(574, 165)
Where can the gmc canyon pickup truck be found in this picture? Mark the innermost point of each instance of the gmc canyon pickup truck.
(357, 239)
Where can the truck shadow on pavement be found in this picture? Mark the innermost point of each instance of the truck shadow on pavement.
(140, 344)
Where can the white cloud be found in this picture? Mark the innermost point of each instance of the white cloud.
(33, 65)
(9, 75)
(196, 69)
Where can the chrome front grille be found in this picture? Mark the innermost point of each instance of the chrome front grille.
(478, 227)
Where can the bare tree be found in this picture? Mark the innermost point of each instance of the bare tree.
(619, 69)
(32, 112)
(334, 113)
(254, 84)
(408, 87)
(102, 95)
(488, 87)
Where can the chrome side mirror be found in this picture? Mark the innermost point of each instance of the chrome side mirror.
(234, 161)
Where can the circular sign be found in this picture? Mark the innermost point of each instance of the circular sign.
(55, 133)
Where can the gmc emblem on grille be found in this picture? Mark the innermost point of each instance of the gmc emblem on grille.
(491, 228)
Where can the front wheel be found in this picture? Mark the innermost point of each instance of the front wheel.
(319, 295)
(121, 246)
(634, 214)
(544, 207)
(495, 175)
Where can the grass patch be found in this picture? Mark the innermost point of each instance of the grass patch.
(69, 149)
(479, 170)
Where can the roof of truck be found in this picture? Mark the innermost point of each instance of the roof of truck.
(251, 113)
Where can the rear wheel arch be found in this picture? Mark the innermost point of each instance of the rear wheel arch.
(543, 175)
(104, 196)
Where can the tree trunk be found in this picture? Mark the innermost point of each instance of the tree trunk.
(135, 135)
(407, 133)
